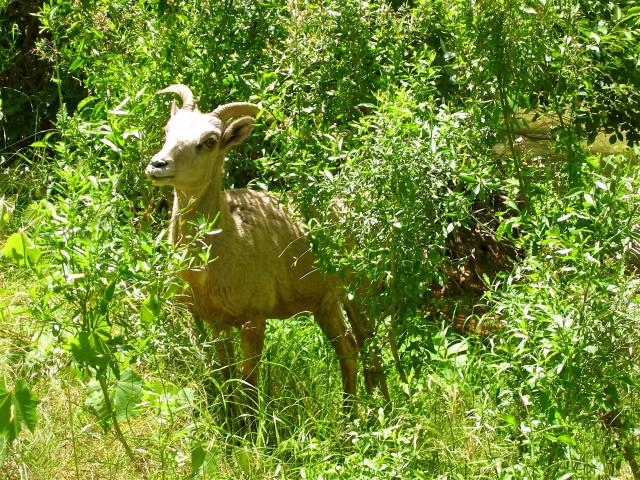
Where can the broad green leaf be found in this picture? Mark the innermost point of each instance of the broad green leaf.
(197, 459)
(77, 63)
(81, 348)
(82, 103)
(128, 394)
(124, 396)
(466, 177)
(510, 419)
(108, 293)
(111, 145)
(202, 462)
(107, 297)
(17, 408)
(21, 249)
(588, 200)
(456, 348)
(161, 387)
(24, 404)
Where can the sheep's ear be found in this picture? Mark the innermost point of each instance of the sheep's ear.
(237, 132)
(174, 107)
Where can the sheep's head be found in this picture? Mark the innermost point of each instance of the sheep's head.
(196, 143)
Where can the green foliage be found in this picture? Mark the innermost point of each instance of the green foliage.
(386, 115)
(401, 196)
(569, 340)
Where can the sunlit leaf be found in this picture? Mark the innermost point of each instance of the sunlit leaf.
(21, 249)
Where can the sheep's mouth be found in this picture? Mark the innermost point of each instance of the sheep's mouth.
(158, 174)
(158, 178)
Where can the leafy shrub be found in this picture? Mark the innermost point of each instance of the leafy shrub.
(570, 334)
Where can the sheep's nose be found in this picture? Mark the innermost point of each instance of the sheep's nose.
(159, 163)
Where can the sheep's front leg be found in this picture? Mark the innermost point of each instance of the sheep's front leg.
(224, 346)
(226, 356)
(252, 342)
(371, 358)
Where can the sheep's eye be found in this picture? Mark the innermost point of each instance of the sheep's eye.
(210, 142)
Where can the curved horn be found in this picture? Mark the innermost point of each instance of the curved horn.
(237, 109)
(184, 92)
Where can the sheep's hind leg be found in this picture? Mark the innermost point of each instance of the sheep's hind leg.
(371, 358)
(331, 321)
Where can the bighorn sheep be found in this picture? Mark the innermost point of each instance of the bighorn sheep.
(263, 265)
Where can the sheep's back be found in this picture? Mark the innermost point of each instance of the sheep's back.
(274, 271)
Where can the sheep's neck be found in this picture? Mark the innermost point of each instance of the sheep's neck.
(209, 202)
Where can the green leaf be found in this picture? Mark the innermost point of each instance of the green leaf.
(631, 13)
(198, 455)
(567, 440)
(108, 293)
(111, 145)
(588, 200)
(84, 101)
(90, 349)
(125, 396)
(466, 177)
(202, 462)
(511, 204)
(602, 185)
(77, 63)
(81, 348)
(243, 459)
(17, 408)
(106, 299)
(25, 403)
(150, 309)
(6, 429)
(21, 249)
(128, 394)
(511, 420)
